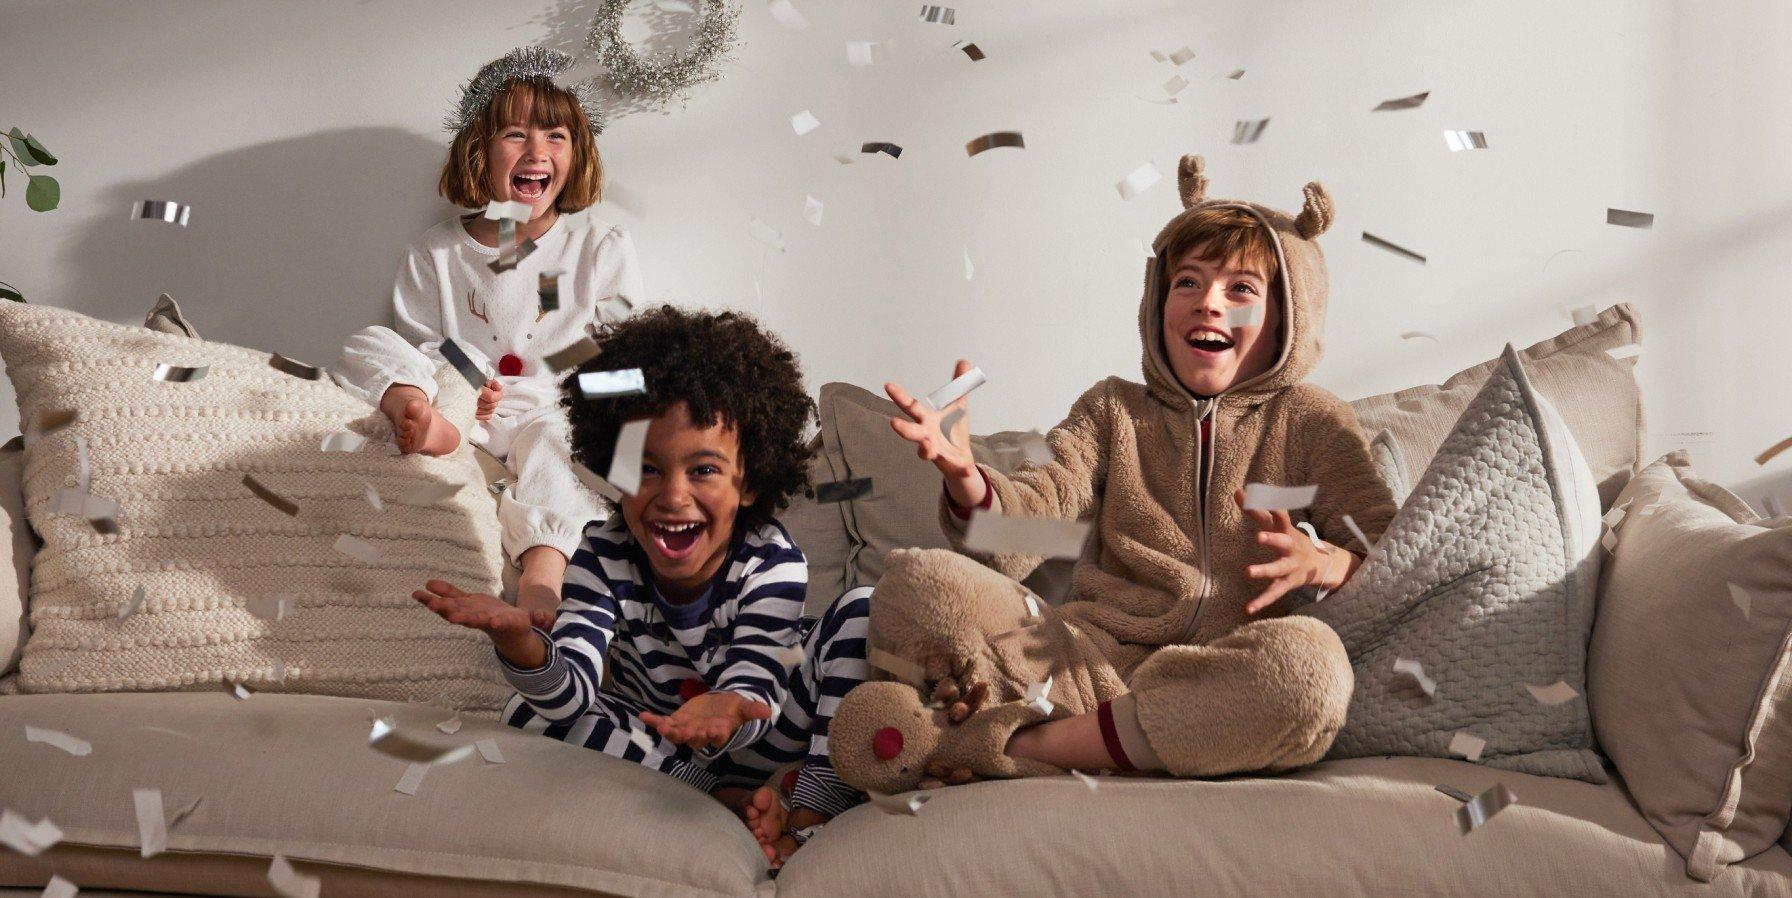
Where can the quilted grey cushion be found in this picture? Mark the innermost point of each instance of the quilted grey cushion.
(1487, 578)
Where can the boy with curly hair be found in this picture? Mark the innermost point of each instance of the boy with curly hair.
(691, 587)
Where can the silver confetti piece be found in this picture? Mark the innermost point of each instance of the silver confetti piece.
(864, 53)
(1481, 808)
(595, 483)
(1391, 247)
(1357, 532)
(787, 15)
(1554, 694)
(83, 466)
(27, 838)
(547, 291)
(512, 211)
(185, 812)
(488, 750)
(642, 740)
(572, 356)
(969, 269)
(1624, 219)
(1244, 316)
(995, 139)
(1584, 315)
(152, 826)
(625, 460)
(357, 548)
(74, 745)
(996, 534)
(843, 491)
(1467, 745)
(889, 149)
(161, 210)
(1741, 599)
(804, 122)
(1458, 141)
(463, 363)
(939, 15)
(1629, 351)
(1235, 75)
(126, 609)
(178, 374)
(1182, 56)
(1420, 335)
(342, 442)
(1249, 132)
(1140, 180)
(1416, 670)
(896, 666)
(973, 51)
(290, 883)
(1086, 779)
(1455, 793)
(1412, 102)
(1270, 497)
(611, 384)
(812, 210)
(1039, 697)
(272, 608)
(373, 498)
(297, 369)
(450, 726)
(1175, 85)
(387, 740)
(58, 887)
(906, 805)
(957, 388)
(238, 691)
(412, 779)
(766, 234)
(282, 504)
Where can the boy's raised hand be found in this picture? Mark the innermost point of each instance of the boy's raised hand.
(507, 625)
(951, 453)
(489, 395)
(709, 720)
(1301, 561)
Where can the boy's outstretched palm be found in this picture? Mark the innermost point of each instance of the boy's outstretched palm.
(951, 453)
(709, 720)
(479, 611)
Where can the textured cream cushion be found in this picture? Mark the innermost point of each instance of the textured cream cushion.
(202, 545)
(15, 564)
(1691, 698)
(1361, 827)
(293, 774)
(1596, 394)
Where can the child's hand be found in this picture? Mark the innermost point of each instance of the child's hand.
(709, 720)
(488, 400)
(507, 625)
(951, 455)
(1302, 562)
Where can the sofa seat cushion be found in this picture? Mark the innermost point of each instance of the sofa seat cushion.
(1363, 826)
(293, 774)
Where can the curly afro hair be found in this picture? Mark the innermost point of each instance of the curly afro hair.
(721, 365)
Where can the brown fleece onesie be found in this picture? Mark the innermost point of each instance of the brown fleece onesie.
(1155, 612)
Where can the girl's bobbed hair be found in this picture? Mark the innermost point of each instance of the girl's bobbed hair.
(531, 101)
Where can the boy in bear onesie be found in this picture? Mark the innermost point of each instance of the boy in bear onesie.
(1166, 655)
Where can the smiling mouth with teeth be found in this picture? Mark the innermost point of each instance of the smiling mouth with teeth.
(529, 187)
(1209, 342)
(675, 539)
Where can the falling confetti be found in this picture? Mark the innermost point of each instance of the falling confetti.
(1391, 247)
(1412, 102)
(995, 139)
(843, 491)
(957, 388)
(161, 210)
(1477, 812)
(178, 374)
(1249, 132)
(1554, 694)
(611, 384)
(766, 234)
(1458, 141)
(1270, 497)
(890, 149)
(282, 504)
(804, 122)
(297, 369)
(939, 15)
(996, 534)
(1140, 180)
(973, 51)
(1416, 670)
(1623, 219)
(464, 364)
(812, 209)
(1467, 745)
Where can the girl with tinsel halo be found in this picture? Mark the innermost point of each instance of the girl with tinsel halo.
(519, 137)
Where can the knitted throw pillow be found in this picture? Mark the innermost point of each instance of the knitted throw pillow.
(1486, 578)
(215, 562)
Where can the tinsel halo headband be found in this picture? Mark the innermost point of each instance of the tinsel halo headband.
(523, 62)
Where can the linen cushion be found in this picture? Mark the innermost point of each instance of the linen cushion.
(294, 774)
(1486, 577)
(1691, 694)
(15, 563)
(1596, 394)
(202, 546)
(1359, 827)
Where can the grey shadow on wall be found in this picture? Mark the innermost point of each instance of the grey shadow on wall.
(291, 245)
(565, 24)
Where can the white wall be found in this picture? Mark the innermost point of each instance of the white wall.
(306, 138)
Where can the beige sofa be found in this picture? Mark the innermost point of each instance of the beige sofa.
(290, 774)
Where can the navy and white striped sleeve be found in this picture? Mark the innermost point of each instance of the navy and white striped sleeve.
(567, 685)
(763, 638)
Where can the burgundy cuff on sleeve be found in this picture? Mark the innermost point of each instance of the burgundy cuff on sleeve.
(989, 497)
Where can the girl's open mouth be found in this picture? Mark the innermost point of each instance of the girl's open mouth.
(529, 187)
(676, 540)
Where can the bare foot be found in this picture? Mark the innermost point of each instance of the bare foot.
(423, 429)
(766, 817)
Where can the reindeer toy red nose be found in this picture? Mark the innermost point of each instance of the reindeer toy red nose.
(510, 365)
(886, 743)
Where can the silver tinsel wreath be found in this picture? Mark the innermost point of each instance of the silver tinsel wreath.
(523, 62)
(667, 75)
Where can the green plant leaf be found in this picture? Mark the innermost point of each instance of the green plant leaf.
(37, 149)
(20, 148)
(43, 193)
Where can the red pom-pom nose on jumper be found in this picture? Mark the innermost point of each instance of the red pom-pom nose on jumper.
(886, 743)
(691, 688)
(510, 365)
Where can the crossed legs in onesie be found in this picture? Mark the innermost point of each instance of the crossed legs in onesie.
(973, 651)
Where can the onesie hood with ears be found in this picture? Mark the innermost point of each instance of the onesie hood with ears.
(1301, 273)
